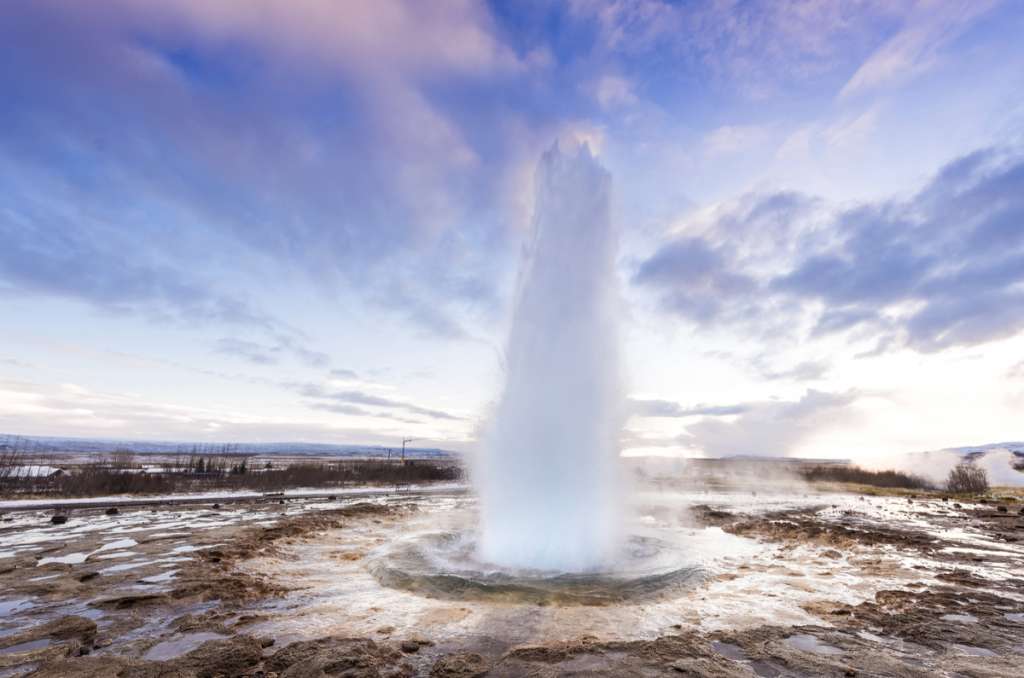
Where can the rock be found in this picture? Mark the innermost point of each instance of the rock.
(266, 642)
(127, 602)
(106, 666)
(69, 636)
(331, 498)
(64, 628)
(459, 665)
(228, 657)
(87, 576)
(58, 519)
(409, 646)
(1002, 509)
(216, 507)
(112, 511)
(386, 630)
(355, 657)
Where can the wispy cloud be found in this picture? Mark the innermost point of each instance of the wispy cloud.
(672, 409)
(321, 395)
(918, 46)
(753, 47)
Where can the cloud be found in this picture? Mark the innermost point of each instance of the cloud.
(753, 47)
(247, 350)
(257, 138)
(40, 409)
(14, 362)
(321, 396)
(302, 353)
(264, 354)
(669, 408)
(852, 131)
(341, 408)
(918, 46)
(943, 268)
(805, 370)
(694, 277)
(60, 258)
(771, 428)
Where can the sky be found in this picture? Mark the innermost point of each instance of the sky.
(301, 220)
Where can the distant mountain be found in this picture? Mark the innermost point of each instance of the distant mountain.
(89, 446)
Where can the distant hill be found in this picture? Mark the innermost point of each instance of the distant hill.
(98, 446)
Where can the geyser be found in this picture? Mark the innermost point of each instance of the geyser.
(549, 474)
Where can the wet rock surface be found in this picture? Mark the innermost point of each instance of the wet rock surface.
(874, 587)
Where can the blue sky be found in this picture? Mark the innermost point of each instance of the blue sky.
(301, 220)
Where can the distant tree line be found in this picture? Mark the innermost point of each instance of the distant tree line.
(841, 473)
(124, 472)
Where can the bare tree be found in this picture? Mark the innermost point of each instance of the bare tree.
(967, 478)
(12, 456)
(122, 460)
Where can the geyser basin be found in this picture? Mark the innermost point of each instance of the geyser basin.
(445, 565)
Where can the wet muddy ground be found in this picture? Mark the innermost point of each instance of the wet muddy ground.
(822, 584)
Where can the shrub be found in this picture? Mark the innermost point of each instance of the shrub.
(854, 474)
(967, 478)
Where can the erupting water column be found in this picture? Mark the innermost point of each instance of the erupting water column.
(549, 478)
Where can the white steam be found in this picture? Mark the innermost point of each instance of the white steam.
(935, 466)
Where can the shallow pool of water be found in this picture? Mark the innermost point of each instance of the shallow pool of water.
(26, 646)
(805, 642)
(183, 644)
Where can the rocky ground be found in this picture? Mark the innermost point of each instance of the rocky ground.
(196, 592)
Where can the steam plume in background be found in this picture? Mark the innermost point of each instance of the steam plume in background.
(999, 463)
